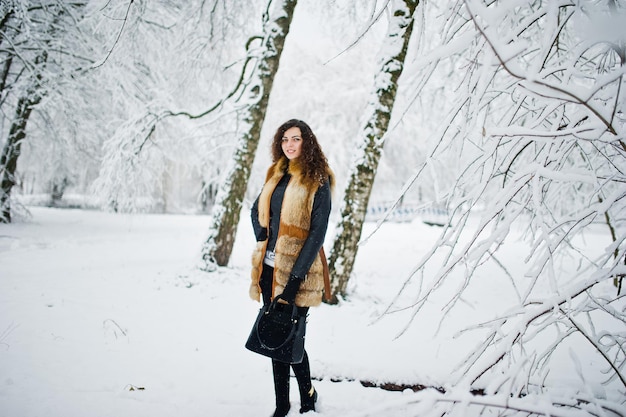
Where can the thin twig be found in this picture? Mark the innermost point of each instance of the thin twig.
(593, 343)
(574, 98)
(119, 35)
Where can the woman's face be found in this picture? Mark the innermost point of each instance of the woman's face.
(292, 143)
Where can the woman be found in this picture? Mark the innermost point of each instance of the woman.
(290, 218)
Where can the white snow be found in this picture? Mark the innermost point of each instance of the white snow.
(105, 315)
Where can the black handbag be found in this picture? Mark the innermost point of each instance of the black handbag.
(278, 332)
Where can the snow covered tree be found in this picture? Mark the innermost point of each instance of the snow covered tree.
(34, 56)
(226, 212)
(534, 122)
(371, 140)
(173, 104)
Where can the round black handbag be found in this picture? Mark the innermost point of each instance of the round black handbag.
(278, 332)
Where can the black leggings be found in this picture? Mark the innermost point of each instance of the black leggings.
(301, 370)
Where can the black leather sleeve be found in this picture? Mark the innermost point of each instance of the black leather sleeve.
(259, 232)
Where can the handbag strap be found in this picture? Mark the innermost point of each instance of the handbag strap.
(292, 332)
(327, 293)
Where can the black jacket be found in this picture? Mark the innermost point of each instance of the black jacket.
(317, 231)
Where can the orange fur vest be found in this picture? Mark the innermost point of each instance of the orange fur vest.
(295, 219)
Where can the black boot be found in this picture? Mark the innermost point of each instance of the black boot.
(308, 400)
(281, 412)
(308, 395)
(281, 388)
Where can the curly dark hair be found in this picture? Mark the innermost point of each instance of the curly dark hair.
(312, 157)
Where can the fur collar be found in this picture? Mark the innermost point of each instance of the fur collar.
(295, 169)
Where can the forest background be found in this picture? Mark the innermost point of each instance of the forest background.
(187, 57)
(509, 111)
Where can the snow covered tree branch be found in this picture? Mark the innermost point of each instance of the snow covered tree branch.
(153, 124)
(535, 124)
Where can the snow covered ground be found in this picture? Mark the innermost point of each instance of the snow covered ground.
(106, 315)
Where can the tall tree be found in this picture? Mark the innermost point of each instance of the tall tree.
(29, 33)
(371, 141)
(227, 209)
(12, 148)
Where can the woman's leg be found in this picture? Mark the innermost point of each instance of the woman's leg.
(267, 275)
(302, 370)
(308, 396)
(280, 369)
(281, 387)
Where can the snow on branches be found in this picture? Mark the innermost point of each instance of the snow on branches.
(535, 127)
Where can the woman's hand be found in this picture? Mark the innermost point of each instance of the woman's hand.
(261, 234)
(291, 289)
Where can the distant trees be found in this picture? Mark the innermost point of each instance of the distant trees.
(119, 73)
(173, 103)
(34, 60)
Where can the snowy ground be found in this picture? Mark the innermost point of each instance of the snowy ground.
(105, 315)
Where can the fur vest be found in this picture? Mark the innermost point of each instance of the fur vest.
(295, 219)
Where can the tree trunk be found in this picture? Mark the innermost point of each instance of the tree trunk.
(227, 209)
(365, 164)
(6, 57)
(11, 153)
